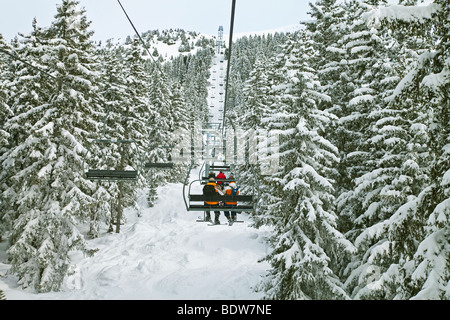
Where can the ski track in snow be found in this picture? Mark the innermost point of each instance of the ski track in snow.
(164, 254)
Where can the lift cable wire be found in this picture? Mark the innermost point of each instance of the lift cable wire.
(139, 36)
(233, 10)
(29, 64)
(55, 78)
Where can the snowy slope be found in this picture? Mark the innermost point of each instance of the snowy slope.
(164, 254)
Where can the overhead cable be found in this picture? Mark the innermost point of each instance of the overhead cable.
(139, 36)
(28, 64)
(227, 84)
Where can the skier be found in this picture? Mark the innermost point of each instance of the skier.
(231, 190)
(211, 189)
(221, 175)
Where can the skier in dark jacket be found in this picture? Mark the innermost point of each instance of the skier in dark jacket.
(212, 185)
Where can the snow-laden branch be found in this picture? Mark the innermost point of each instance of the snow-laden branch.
(409, 14)
(410, 78)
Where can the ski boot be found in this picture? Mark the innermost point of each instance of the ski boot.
(216, 220)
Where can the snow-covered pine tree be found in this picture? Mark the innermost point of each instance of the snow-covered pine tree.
(427, 274)
(384, 150)
(167, 128)
(256, 92)
(416, 246)
(5, 113)
(257, 105)
(431, 261)
(255, 99)
(180, 135)
(5, 110)
(28, 90)
(161, 124)
(306, 242)
(328, 29)
(128, 110)
(355, 106)
(108, 155)
(134, 112)
(48, 183)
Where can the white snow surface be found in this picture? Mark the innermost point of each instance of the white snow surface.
(162, 255)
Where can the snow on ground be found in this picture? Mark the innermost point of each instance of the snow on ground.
(164, 254)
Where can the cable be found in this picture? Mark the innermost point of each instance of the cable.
(233, 10)
(140, 38)
(28, 64)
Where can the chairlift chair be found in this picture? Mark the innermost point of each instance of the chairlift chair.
(196, 202)
(160, 165)
(120, 173)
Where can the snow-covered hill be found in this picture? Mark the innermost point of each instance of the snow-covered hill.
(169, 44)
(164, 254)
(172, 43)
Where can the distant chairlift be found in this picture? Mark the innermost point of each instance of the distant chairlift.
(161, 165)
(125, 171)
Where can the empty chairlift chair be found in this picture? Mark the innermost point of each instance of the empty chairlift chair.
(168, 164)
(112, 160)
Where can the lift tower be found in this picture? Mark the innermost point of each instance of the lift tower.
(220, 43)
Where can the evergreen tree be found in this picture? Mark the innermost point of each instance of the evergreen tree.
(306, 239)
(5, 113)
(108, 156)
(30, 92)
(425, 261)
(51, 192)
(260, 94)
(411, 245)
(128, 116)
(5, 110)
(256, 94)
(179, 135)
(327, 29)
(195, 91)
(161, 125)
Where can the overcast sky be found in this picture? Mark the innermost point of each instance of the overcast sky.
(205, 16)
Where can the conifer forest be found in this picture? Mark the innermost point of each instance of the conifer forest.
(358, 97)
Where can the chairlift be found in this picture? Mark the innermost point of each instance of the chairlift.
(126, 171)
(197, 202)
(220, 168)
(160, 165)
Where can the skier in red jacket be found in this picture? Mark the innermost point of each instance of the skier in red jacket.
(221, 175)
